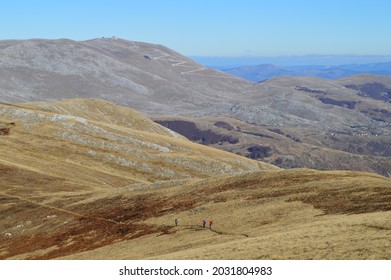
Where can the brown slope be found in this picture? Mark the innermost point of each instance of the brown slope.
(295, 214)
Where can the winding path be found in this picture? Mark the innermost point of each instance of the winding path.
(182, 63)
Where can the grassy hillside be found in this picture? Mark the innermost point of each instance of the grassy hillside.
(86, 179)
(295, 214)
(93, 140)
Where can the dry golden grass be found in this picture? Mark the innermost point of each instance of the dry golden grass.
(98, 186)
(66, 140)
(268, 216)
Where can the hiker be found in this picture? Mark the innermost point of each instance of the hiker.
(210, 224)
(176, 222)
(203, 223)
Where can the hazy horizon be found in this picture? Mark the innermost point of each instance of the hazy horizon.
(290, 60)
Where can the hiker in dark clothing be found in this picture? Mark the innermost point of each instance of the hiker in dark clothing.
(176, 222)
(203, 223)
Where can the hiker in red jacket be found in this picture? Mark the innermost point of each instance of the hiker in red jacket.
(210, 224)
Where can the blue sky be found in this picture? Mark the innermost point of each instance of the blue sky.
(211, 27)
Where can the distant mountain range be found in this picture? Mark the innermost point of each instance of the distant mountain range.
(258, 73)
(228, 62)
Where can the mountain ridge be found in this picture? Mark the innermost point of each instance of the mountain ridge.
(102, 65)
